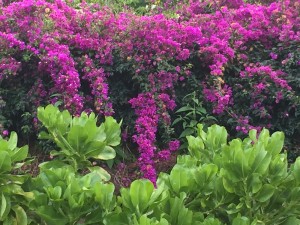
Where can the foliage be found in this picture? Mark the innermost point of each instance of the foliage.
(190, 115)
(69, 54)
(13, 197)
(241, 182)
(79, 138)
(238, 182)
(63, 197)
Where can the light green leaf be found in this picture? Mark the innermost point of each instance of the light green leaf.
(181, 178)
(296, 170)
(255, 183)
(106, 153)
(51, 216)
(276, 143)
(253, 135)
(265, 193)
(20, 215)
(77, 137)
(140, 193)
(104, 194)
(5, 207)
(102, 173)
(13, 140)
(195, 146)
(5, 162)
(228, 185)
(241, 221)
(113, 131)
(19, 154)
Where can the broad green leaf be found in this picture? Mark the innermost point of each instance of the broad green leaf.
(185, 217)
(200, 132)
(51, 216)
(265, 193)
(5, 207)
(49, 177)
(140, 193)
(195, 146)
(113, 131)
(184, 109)
(186, 132)
(264, 137)
(254, 183)
(106, 153)
(201, 110)
(240, 163)
(293, 220)
(216, 137)
(204, 174)
(186, 161)
(55, 164)
(179, 214)
(181, 178)
(21, 216)
(241, 221)
(276, 143)
(13, 140)
(4, 146)
(19, 154)
(104, 194)
(77, 137)
(228, 185)
(177, 120)
(126, 200)
(102, 173)
(253, 135)
(5, 162)
(93, 149)
(211, 221)
(100, 135)
(55, 193)
(262, 161)
(296, 170)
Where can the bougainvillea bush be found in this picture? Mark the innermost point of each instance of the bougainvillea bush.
(241, 58)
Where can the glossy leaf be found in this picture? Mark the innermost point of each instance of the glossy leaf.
(265, 193)
(5, 162)
(21, 217)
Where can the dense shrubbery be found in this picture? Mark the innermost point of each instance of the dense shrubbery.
(240, 182)
(241, 59)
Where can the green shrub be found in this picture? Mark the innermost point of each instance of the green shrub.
(13, 198)
(79, 138)
(240, 182)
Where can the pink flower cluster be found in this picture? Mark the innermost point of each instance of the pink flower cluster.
(98, 85)
(244, 125)
(145, 106)
(61, 67)
(221, 98)
(146, 127)
(8, 67)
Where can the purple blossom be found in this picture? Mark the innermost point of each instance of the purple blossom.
(273, 55)
(5, 133)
